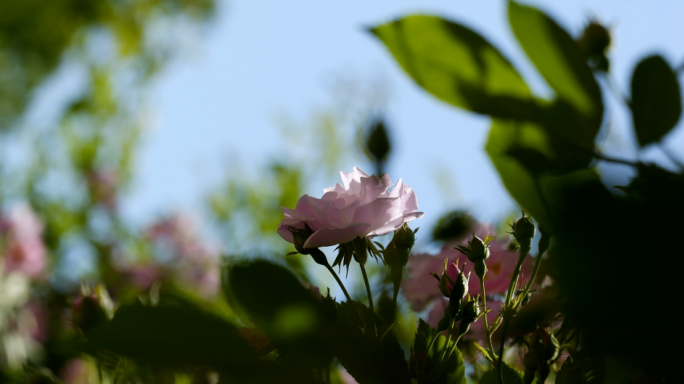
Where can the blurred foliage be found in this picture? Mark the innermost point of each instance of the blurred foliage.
(544, 151)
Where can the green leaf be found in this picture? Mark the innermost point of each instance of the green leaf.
(458, 66)
(484, 352)
(173, 336)
(529, 169)
(273, 298)
(656, 100)
(452, 370)
(558, 59)
(510, 376)
(368, 358)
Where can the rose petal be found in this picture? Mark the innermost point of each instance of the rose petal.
(326, 237)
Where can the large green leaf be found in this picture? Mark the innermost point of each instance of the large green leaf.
(458, 66)
(172, 336)
(656, 100)
(559, 60)
(529, 168)
(368, 358)
(277, 302)
(273, 298)
(510, 376)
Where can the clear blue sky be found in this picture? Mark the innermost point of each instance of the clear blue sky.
(266, 56)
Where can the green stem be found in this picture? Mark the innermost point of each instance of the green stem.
(346, 294)
(368, 290)
(507, 319)
(438, 362)
(543, 246)
(484, 319)
(453, 346)
(516, 272)
(446, 344)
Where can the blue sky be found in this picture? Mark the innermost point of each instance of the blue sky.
(216, 108)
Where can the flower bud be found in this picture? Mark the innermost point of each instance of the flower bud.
(397, 251)
(477, 249)
(299, 237)
(470, 313)
(459, 291)
(471, 310)
(595, 39)
(524, 230)
(377, 141)
(404, 237)
(360, 250)
(448, 279)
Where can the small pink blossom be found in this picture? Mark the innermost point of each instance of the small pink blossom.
(363, 207)
(22, 246)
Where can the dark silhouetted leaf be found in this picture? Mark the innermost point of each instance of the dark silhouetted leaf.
(559, 60)
(457, 66)
(529, 168)
(283, 309)
(656, 100)
(172, 336)
(510, 376)
(273, 298)
(365, 356)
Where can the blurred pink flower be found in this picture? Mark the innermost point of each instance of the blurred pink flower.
(363, 207)
(179, 251)
(22, 246)
(142, 275)
(420, 288)
(74, 371)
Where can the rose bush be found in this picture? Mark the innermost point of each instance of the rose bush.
(363, 207)
(420, 288)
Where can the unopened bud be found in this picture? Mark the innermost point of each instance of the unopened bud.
(459, 291)
(299, 237)
(471, 310)
(360, 250)
(524, 230)
(448, 278)
(404, 237)
(377, 141)
(595, 39)
(476, 250)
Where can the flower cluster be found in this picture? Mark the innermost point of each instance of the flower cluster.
(421, 289)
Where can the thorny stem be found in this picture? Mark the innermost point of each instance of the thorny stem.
(435, 368)
(368, 290)
(507, 319)
(516, 273)
(346, 294)
(542, 249)
(484, 318)
(453, 348)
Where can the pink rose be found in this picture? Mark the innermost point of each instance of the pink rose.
(363, 207)
(23, 248)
